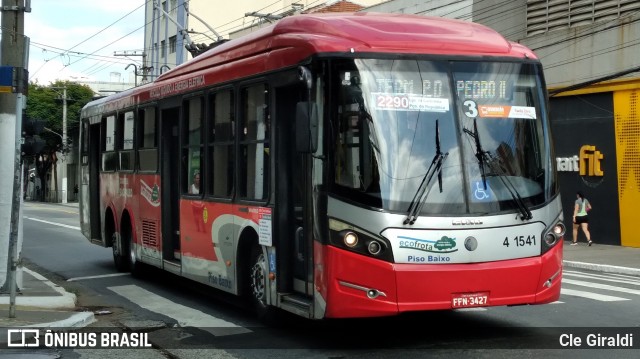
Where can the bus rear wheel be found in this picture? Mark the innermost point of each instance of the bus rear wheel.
(120, 259)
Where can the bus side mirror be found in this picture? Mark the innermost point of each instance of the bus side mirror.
(306, 127)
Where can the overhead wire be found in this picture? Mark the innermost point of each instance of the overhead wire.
(86, 55)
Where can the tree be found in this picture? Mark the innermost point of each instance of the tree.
(45, 103)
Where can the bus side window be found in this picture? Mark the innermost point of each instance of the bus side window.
(192, 144)
(147, 140)
(220, 140)
(254, 144)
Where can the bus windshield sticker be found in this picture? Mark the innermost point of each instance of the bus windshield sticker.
(498, 111)
(408, 102)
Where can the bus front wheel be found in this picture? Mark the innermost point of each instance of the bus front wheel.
(257, 284)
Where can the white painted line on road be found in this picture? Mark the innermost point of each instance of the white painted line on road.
(591, 295)
(601, 286)
(607, 278)
(97, 276)
(53, 223)
(186, 316)
(602, 267)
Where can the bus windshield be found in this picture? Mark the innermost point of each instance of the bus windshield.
(490, 121)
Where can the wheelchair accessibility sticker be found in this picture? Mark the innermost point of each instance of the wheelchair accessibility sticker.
(480, 193)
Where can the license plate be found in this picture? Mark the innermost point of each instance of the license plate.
(468, 300)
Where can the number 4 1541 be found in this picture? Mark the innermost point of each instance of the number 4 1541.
(520, 241)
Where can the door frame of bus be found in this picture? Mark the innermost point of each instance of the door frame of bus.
(170, 118)
(292, 214)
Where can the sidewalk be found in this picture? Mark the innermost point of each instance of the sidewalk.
(43, 304)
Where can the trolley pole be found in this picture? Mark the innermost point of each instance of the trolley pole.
(13, 85)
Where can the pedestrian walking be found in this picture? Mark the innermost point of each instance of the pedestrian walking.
(581, 218)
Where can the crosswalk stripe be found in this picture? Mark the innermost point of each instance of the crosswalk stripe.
(185, 316)
(601, 286)
(591, 295)
(601, 277)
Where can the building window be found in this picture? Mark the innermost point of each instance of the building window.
(174, 8)
(172, 44)
(163, 48)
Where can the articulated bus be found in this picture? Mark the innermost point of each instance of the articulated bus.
(334, 166)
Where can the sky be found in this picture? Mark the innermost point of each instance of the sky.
(76, 39)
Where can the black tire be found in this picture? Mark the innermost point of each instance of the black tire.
(135, 267)
(120, 259)
(257, 275)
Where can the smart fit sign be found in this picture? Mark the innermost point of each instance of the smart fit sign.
(588, 163)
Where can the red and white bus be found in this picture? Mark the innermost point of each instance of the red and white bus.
(347, 165)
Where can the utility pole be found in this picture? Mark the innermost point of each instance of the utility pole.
(63, 188)
(12, 59)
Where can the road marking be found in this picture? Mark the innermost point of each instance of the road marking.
(49, 208)
(601, 286)
(625, 280)
(185, 316)
(97, 276)
(591, 295)
(53, 223)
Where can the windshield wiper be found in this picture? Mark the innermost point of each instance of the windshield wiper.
(436, 167)
(480, 153)
(485, 157)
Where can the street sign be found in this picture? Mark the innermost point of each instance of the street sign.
(6, 79)
(14, 80)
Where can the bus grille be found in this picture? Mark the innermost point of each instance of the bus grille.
(149, 233)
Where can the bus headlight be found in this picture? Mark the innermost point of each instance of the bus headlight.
(350, 239)
(356, 240)
(552, 235)
(550, 239)
(559, 229)
(374, 247)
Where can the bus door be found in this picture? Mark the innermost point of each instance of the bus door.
(293, 190)
(170, 187)
(90, 182)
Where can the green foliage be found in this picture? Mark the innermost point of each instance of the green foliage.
(45, 102)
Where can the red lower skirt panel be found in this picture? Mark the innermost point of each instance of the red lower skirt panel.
(395, 288)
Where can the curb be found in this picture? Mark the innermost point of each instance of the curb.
(602, 268)
(64, 299)
(76, 320)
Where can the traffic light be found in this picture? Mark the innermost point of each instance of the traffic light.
(31, 129)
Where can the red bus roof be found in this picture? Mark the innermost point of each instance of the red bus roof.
(295, 38)
(360, 32)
